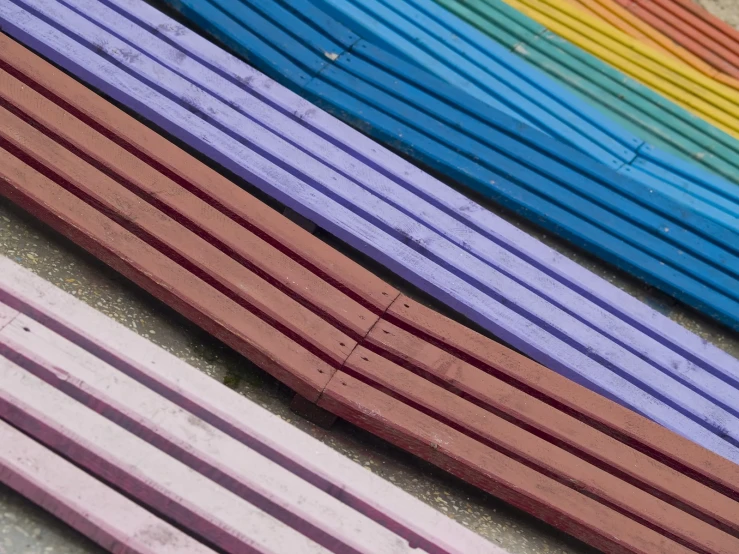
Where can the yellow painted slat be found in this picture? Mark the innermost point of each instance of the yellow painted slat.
(701, 94)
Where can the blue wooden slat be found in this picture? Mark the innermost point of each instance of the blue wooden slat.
(489, 82)
(459, 44)
(450, 247)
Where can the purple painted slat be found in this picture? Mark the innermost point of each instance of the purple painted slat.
(83, 502)
(235, 415)
(140, 469)
(480, 306)
(546, 260)
(466, 251)
(197, 444)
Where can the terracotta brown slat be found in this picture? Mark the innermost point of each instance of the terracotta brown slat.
(431, 386)
(489, 469)
(198, 215)
(635, 431)
(195, 176)
(495, 395)
(160, 276)
(203, 259)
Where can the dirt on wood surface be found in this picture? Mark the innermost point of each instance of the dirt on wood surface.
(728, 10)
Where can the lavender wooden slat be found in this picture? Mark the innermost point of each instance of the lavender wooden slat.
(140, 469)
(81, 501)
(538, 340)
(194, 442)
(233, 414)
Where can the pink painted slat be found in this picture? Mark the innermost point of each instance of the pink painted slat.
(6, 315)
(237, 416)
(194, 442)
(141, 470)
(83, 502)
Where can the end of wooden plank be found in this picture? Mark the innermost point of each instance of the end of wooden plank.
(312, 412)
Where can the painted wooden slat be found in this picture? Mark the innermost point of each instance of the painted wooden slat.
(466, 352)
(184, 437)
(429, 45)
(478, 422)
(456, 38)
(695, 29)
(89, 379)
(489, 469)
(633, 105)
(98, 512)
(234, 415)
(644, 29)
(139, 469)
(556, 353)
(463, 44)
(453, 30)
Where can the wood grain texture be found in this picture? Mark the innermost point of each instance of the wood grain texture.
(491, 428)
(643, 25)
(556, 408)
(453, 44)
(111, 520)
(571, 359)
(637, 509)
(111, 370)
(482, 221)
(234, 415)
(200, 180)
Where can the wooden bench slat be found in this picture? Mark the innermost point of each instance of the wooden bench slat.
(192, 441)
(95, 510)
(489, 469)
(445, 224)
(677, 452)
(185, 208)
(225, 319)
(496, 433)
(183, 246)
(58, 207)
(140, 469)
(675, 231)
(234, 415)
(541, 416)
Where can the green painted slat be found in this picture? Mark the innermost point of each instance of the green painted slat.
(628, 102)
